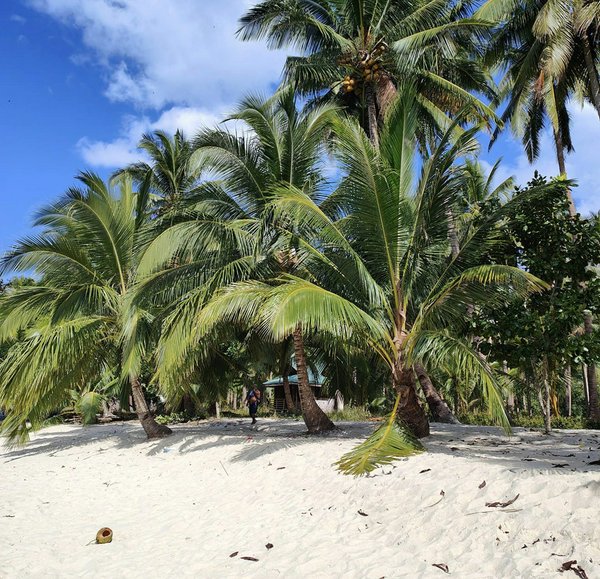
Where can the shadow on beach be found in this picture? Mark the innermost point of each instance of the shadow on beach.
(561, 451)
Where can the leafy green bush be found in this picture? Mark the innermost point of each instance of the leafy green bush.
(536, 421)
(567, 422)
(173, 418)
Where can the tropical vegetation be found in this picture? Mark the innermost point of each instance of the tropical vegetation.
(342, 226)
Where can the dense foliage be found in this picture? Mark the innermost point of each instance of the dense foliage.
(357, 236)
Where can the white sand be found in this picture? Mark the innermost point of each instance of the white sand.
(179, 507)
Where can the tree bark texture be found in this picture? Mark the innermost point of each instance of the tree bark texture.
(440, 412)
(289, 401)
(372, 117)
(150, 426)
(546, 401)
(315, 419)
(568, 387)
(410, 412)
(592, 381)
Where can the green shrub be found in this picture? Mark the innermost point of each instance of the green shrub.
(173, 418)
(536, 421)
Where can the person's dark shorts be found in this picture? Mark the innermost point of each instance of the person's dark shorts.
(253, 408)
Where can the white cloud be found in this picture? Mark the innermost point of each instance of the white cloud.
(159, 52)
(177, 62)
(123, 150)
(583, 164)
(118, 153)
(18, 19)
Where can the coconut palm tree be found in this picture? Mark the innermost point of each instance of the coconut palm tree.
(169, 175)
(278, 145)
(382, 274)
(360, 53)
(548, 54)
(76, 325)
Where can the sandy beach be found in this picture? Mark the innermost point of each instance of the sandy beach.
(185, 505)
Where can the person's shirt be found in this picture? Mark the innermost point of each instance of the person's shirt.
(254, 394)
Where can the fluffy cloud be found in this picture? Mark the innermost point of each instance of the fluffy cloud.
(157, 53)
(178, 63)
(123, 150)
(582, 165)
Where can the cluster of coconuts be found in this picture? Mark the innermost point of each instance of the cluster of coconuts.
(367, 68)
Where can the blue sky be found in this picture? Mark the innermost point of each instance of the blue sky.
(83, 79)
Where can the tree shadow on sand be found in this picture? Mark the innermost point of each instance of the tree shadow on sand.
(525, 449)
(186, 438)
(561, 451)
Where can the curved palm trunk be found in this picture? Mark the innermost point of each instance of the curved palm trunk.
(592, 72)
(150, 426)
(410, 412)
(315, 419)
(440, 411)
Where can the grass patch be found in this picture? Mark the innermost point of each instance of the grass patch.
(351, 414)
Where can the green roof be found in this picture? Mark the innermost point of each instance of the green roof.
(313, 379)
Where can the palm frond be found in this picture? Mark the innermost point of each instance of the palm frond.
(388, 443)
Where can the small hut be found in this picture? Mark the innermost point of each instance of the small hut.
(315, 381)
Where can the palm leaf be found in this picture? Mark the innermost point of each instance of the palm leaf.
(388, 443)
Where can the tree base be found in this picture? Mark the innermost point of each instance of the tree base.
(158, 431)
(323, 426)
(410, 413)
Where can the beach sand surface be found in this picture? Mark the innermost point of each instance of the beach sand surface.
(196, 503)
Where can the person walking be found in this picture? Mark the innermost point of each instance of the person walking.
(252, 401)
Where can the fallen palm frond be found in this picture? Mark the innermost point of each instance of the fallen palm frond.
(388, 443)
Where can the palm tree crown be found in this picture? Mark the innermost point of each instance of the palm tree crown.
(361, 52)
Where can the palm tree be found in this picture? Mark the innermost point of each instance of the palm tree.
(77, 324)
(547, 51)
(360, 53)
(170, 176)
(382, 274)
(280, 145)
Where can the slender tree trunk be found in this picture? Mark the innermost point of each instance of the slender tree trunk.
(440, 411)
(372, 123)
(452, 233)
(568, 389)
(546, 402)
(289, 401)
(150, 426)
(510, 403)
(592, 382)
(560, 157)
(410, 412)
(592, 71)
(456, 395)
(315, 419)
(284, 367)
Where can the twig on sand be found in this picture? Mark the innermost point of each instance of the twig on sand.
(486, 512)
(572, 566)
(223, 468)
(443, 494)
(502, 505)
